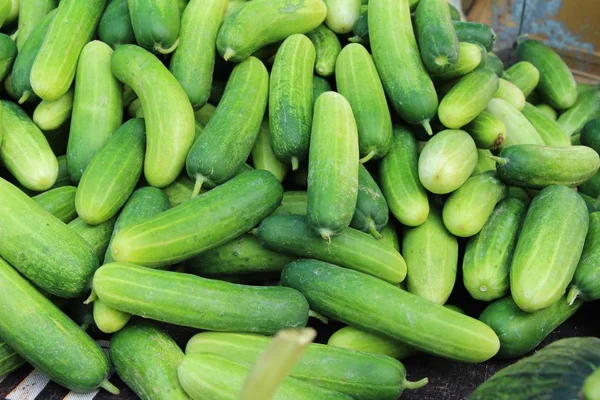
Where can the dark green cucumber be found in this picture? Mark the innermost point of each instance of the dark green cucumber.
(592, 204)
(360, 29)
(590, 134)
(547, 111)
(523, 75)
(9, 359)
(591, 187)
(364, 341)
(63, 178)
(551, 132)
(155, 24)
(59, 202)
(487, 258)
(207, 304)
(8, 53)
(518, 129)
(372, 212)
(97, 236)
(320, 86)
(327, 47)
(262, 154)
(367, 99)
(146, 359)
(487, 130)
(469, 59)
(585, 108)
(475, 32)
(31, 14)
(115, 26)
(511, 93)
(520, 332)
(585, 284)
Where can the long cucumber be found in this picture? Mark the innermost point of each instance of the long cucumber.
(585, 108)
(372, 212)
(523, 75)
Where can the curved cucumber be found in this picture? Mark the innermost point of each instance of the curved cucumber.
(108, 319)
(155, 24)
(59, 202)
(518, 129)
(115, 26)
(342, 14)
(438, 42)
(364, 341)
(262, 154)
(327, 47)
(523, 75)
(50, 115)
(475, 32)
(31, 14)
(372, 212)
(97, 236)
(585, 108)
(9, 359)
(469, 58)
(320, 86)
(550, 131)
(511, 93)
(590, 134)
(487, 130)
(585, 284)
(8, 53)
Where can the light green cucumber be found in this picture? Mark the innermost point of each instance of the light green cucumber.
(59, 202)
(108, 319)
(50, 115)
(233, 6)
(32, 13)
(548, 111)
(155, 24)
(523, 75)
(115, 27)
(5, 6)
(372, 212)
(389, 235)
(262, 154)
(320, 86)
(585, 284)
(518, 129)
(469, 58)
(484, 162)
(342, 14)
(487, 130)
(8, 53)
(97, 236)
(511, 93)
(585, 108)
(205, 113)
(327, 47)
(180, 190)
(359, 340)
(550, 131)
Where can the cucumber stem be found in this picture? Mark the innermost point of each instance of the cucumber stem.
(93, 296)
(427, 126)
(169, 50)
(197, 186)
(415, 385)
(367, 157)
(573, 294)
(295, 164)
(373, 229)
(229, 52)
(109, 387)
(254, 231)
(318, 316)
(355, 39)
(499, 160)
(25, 97)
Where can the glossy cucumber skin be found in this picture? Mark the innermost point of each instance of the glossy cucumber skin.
(333, 166)
(292, 203)
(155, 24)
(146, 359)
(557, 84)
(549, 248)
(262, 154)
(320, 86)
(108, 319)
(8, 53)
(115, 26)
(97, 236)
(590, 134)
(585, 108)
(9, 359)
(240, 35)
(551, 132)
(38, 326)
(290, 99)
(393, 43)
(399, 179)
(31, 14)
(372, 212)
(523, 75)
(367, 99)
(348, 297)
(487, 130)
(327, 48)
(50, 115)
(585, 282)
(518, 129)
(475, 32)
(535, 167)
(193, 62)
(189, 300)
(54, 67)
(520, 332)
(364, 341)
(469, 59)
(342, 15)
(486, 263)
(112, 174)
(229, 135)
(169, 114)
(97, 107)
(510, 93)
(59, 202)
(352, 249)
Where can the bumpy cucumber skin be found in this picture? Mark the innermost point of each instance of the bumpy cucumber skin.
(97, 236)
(523, 75)
(108, 319)
(486, 263)
(262, 154)
(518, 129)
(549, 248)
(59, 202)
(487, 130)
(393, 43)
(438, 42)
(360, 340)
(9, 359)
(320, 86)
(31, 14)
(510, 93)
(585, 108)
(551, 132)
(169, 115)
(333, 166)
(342, 14)
(590, 134)
(50, 115)
(372, 212)
(115, 26)
(585, 285)
(367, 99)
(189, 300)
(290, 99)
(327, 47)
(475, 32)
(155, 24)
(469, 59)
(8, 53)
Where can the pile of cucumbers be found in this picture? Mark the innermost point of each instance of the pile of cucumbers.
(238, 166)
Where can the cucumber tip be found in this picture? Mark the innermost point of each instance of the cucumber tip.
(229, 52)
(109, 387)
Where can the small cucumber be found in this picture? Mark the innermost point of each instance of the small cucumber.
(9, 359)
(372, 212)
(518, 129)
(523, 75)
(486, 263)
(547, 111)
(262, 154)
(447, 161)
(585, 108)
(590, 134)
(591, 386)
(549, 130)
(475, 32)
(484, 162)
(115, 26)
(342, 15)
(180, 190)
(108, 319)
(8, 53)
(97, 236)
(586, 284)
(31, 14)
(367, 99)
(327, 47)
(59, 202)
(320, 86)
(469, 58)
(50, 115)
(487, 130)
(364, 341)
(155, 24)
(333, 166)
(548, 249)
(511, 93)
(135, 110)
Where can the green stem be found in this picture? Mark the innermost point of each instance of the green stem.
(93, 296)
(574, 292)
(197, 186)
(169, 50)
(427, 127)
(367, 157)
(415, 385)
(499, 160)
(318, 316)
(373, 230)
(109, 387)
(24, 97)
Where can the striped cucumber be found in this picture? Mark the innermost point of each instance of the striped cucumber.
(97, 236)
(59, 202)
(262, 154)
(155, 24)
(550, 131)
(333, 166)
(31, 14)
(523, 75)
(367, 99)
(590, 134)
(469, 58)
(372, 212)
(518, 129)
(585, 108)
(108, 319)
(9, 359)
(342, 15)
(320, 86)
(475, 32)
(548, 111)
(169, 114)
(291, 105)
(359, 340)
(487, 130)
(115, 26)
(511, 93)
(327, 47)
(8, 53)
(484, 162)
(50, 115)
(585, 284)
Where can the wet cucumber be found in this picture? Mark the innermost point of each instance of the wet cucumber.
(8, 53)
(97, 236)
(372, 212)
(155, 24)
(523, 75)
(115, 27)
(320, 86)
(518, 129)
(364, 341)
(585, 108)
(469, 58)
(550, 131)
(108, 319)
(475, 32)
(585, 284)
(327, 47)
(262, 154)
(511, 93)
(547, 111)
(487, 130)
(59, 202)
(590, 134)
(50, 115)
(31, 14)
(342, 14)
(9, 359)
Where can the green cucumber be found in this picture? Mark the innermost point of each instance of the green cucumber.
(31, 14)
(535, 167)
(520, 332)
(25, 152)
(233, 6)
(333, 166)
(189, 300)
(549, 130)
(389, 235)
(591, 386)
(14, 12)
(5, 8)
(548, 249)
(399, 178)
(361, 27)
(115, 26)
(59, 202)
(262, 154)
(9, 359)
(590, 134)
(511, 93)
(97, 107)
(229, 136)
(372, 212)
(135, 109)
(591, 187)
(169, 114)
(291, 234)
(241, 35)
(468, 98)
(454, 12)
(484, 162)
(193, 62)
(469, 58)
(393, 43)
(155, 24)
(592, 204)
(320, 86)
(585, 284)
(431, 254)
(205, 113)
(548, 111)
(292, 203)
(180, 190)
(585, 108)
(447, 161)
(342, 15)
(327, 47)
(347, 296)
(359, 340)
(523, 75)
(50, 115)
(475, 32)
(291, 105)
(486, 263)
(146, 359)
(63, 178)
(515, 192)
(367, 99)
(97, 236)
(112, 174)
(108, 319)
(487, 130)
(493, 62)
(557, 84)
(8, 53)
(518, 129)
(438, 42)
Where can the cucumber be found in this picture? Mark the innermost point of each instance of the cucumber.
(549, 130)
(342, 15)
(556, 85)
(585, 282)
(169, 120)
(31, 14)
(591, 386)
(59, 202)
(189, 300)
(493, 62)
(291, 234)
(390, 236)
(292, 203)
(205, 113)
(32, 326)
(523, 75)
(291, 105)
(180, 190)
(262, 154)
(155, 24)
(431, 254)
(327, 47)
(63, 175)
(475, 32)
(241, 35)
(511, 93)
(97, 236)
(320, 86)
(50, 115)
(108, 319)
(332, 167)
(347, 296)
(372, 212)
(535, 167)
(193, 62)
(548, 249)
(447, 161)
(454, 12)
(111, 176)
(115, 26)
(8, 53)
(590, 134)
(364, 341)
(548, 111)
(585, 108)
(438, 42)
(534, 98)
(515, 192)
(592, 204)
(5, 7)
(14, 12)
(518, 129)
(487, 130)
(367, 99)
(25, 152)
(229, 136)
(135, 109)
(399, 178)
(393, 43)
(360, 29)
(468, 98)
(484, 162)
(9, 359)
(233, 6)
(486, 263)
(469, 58)
(146, 359)
(520, 332)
